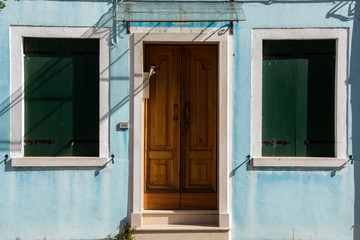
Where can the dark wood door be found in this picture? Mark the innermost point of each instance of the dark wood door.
(181, 128)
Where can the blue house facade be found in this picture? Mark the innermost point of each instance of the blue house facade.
(189, 120)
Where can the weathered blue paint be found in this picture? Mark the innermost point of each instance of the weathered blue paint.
(283, 203)
(267, 203)
(65, 203)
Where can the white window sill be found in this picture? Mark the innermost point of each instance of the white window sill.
(308, 162)
(59, 162)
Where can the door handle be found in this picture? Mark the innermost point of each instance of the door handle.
(175, 115)
(187, 115)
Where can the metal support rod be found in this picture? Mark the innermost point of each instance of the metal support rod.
(111, 160)
(6, 157)
(128, 24)
(127, 27)
(231, 25)
(248, 157)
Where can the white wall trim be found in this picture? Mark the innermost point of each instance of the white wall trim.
(188, 36)
(17, 33)
(59, 162)
(341, 85)
(299, 162)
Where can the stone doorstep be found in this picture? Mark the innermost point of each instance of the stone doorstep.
(181, 228)
(180, 218)
(180, 224)
(181, 232)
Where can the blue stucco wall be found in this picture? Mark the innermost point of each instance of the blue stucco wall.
(65, 203)
(267, 203)
(290, 203)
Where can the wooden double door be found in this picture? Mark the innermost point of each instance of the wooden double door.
(181, 127)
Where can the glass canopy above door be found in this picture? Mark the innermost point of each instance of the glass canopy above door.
(179, 11)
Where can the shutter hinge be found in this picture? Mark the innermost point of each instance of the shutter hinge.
(6, 157)
(351, 159)
(273, 142)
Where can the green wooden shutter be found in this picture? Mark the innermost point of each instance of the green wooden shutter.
(61, 97)
(43, 101)
(321, 107)
(280, 110)
(299, 98)
(86, 99)
(301, 118)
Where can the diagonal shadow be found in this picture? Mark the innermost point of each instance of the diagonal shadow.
(351, 11)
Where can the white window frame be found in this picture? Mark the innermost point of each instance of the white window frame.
(341, 86)
(17, 34)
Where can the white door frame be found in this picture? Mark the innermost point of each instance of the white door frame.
(138, 39)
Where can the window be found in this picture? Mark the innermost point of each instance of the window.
(59, 96)
(299, 97)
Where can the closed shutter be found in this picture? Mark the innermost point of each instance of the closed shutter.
(321, 110)
(284, 106)
(298, 98)
(61, 97)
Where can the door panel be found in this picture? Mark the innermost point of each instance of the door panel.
(162, 148)
(181, 128)
(162, 201)
(198, 201)
(198, 139)
(164, 94)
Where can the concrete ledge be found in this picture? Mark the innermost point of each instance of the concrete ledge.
(136, 219)
(59, 162)
(182, 232)
(182, 228)
(179, 212)
(224, 220)
(180, 217)
(308, 162)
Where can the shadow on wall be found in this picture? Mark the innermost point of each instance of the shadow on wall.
(119, 31)
(106, 20)
(353, 8)
(354, 82)
(352, 14)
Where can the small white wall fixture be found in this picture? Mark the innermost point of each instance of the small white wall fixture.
(220, 36)
(341, 85)
(17, 33)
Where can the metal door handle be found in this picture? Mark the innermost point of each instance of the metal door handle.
(175, 116)
(187, 115)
